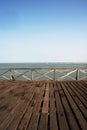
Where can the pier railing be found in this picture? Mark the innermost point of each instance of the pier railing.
(43, 74)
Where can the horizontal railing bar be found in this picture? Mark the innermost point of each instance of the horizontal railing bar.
(49, 73)
(41, 68)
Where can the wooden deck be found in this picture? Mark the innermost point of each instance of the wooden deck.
(28, 105)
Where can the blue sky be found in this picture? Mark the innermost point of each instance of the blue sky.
(43, 31)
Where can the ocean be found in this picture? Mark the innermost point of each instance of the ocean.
(43, 65)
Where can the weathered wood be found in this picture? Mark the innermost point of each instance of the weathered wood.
(53, 111)
(73, 125)
(46, 100)
(43, 74)
(43, 105)
(36, 110)
(67, 74)
(22, 75)
(80, 118)
(28, 112)
(82, 95)
(78, 101)
(43, 125)
(60, 111)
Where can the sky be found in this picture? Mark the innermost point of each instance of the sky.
(43, 31)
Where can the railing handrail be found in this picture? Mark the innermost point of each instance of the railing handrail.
(44, 68)
(65, 72)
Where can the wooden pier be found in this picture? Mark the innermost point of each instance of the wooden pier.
(43, 105)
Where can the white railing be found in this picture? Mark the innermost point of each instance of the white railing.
(43, 74)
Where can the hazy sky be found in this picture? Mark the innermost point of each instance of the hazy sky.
(43, 31)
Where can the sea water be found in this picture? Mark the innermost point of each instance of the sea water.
(43, 65)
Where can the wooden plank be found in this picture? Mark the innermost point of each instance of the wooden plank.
(9, 100)
(15, 111)
(20, 114)
(39, 100)
(61, 115)
(84, 83)
(73, 124)
(17, 117)
(33, 124)
(28, 112)
(9, 118)
(77, 98)
(7, 108)
(79, 117)
(46, 100)
(80, 94)
(43, 123)
(53, 115)
(43, 105)
(81, 87)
